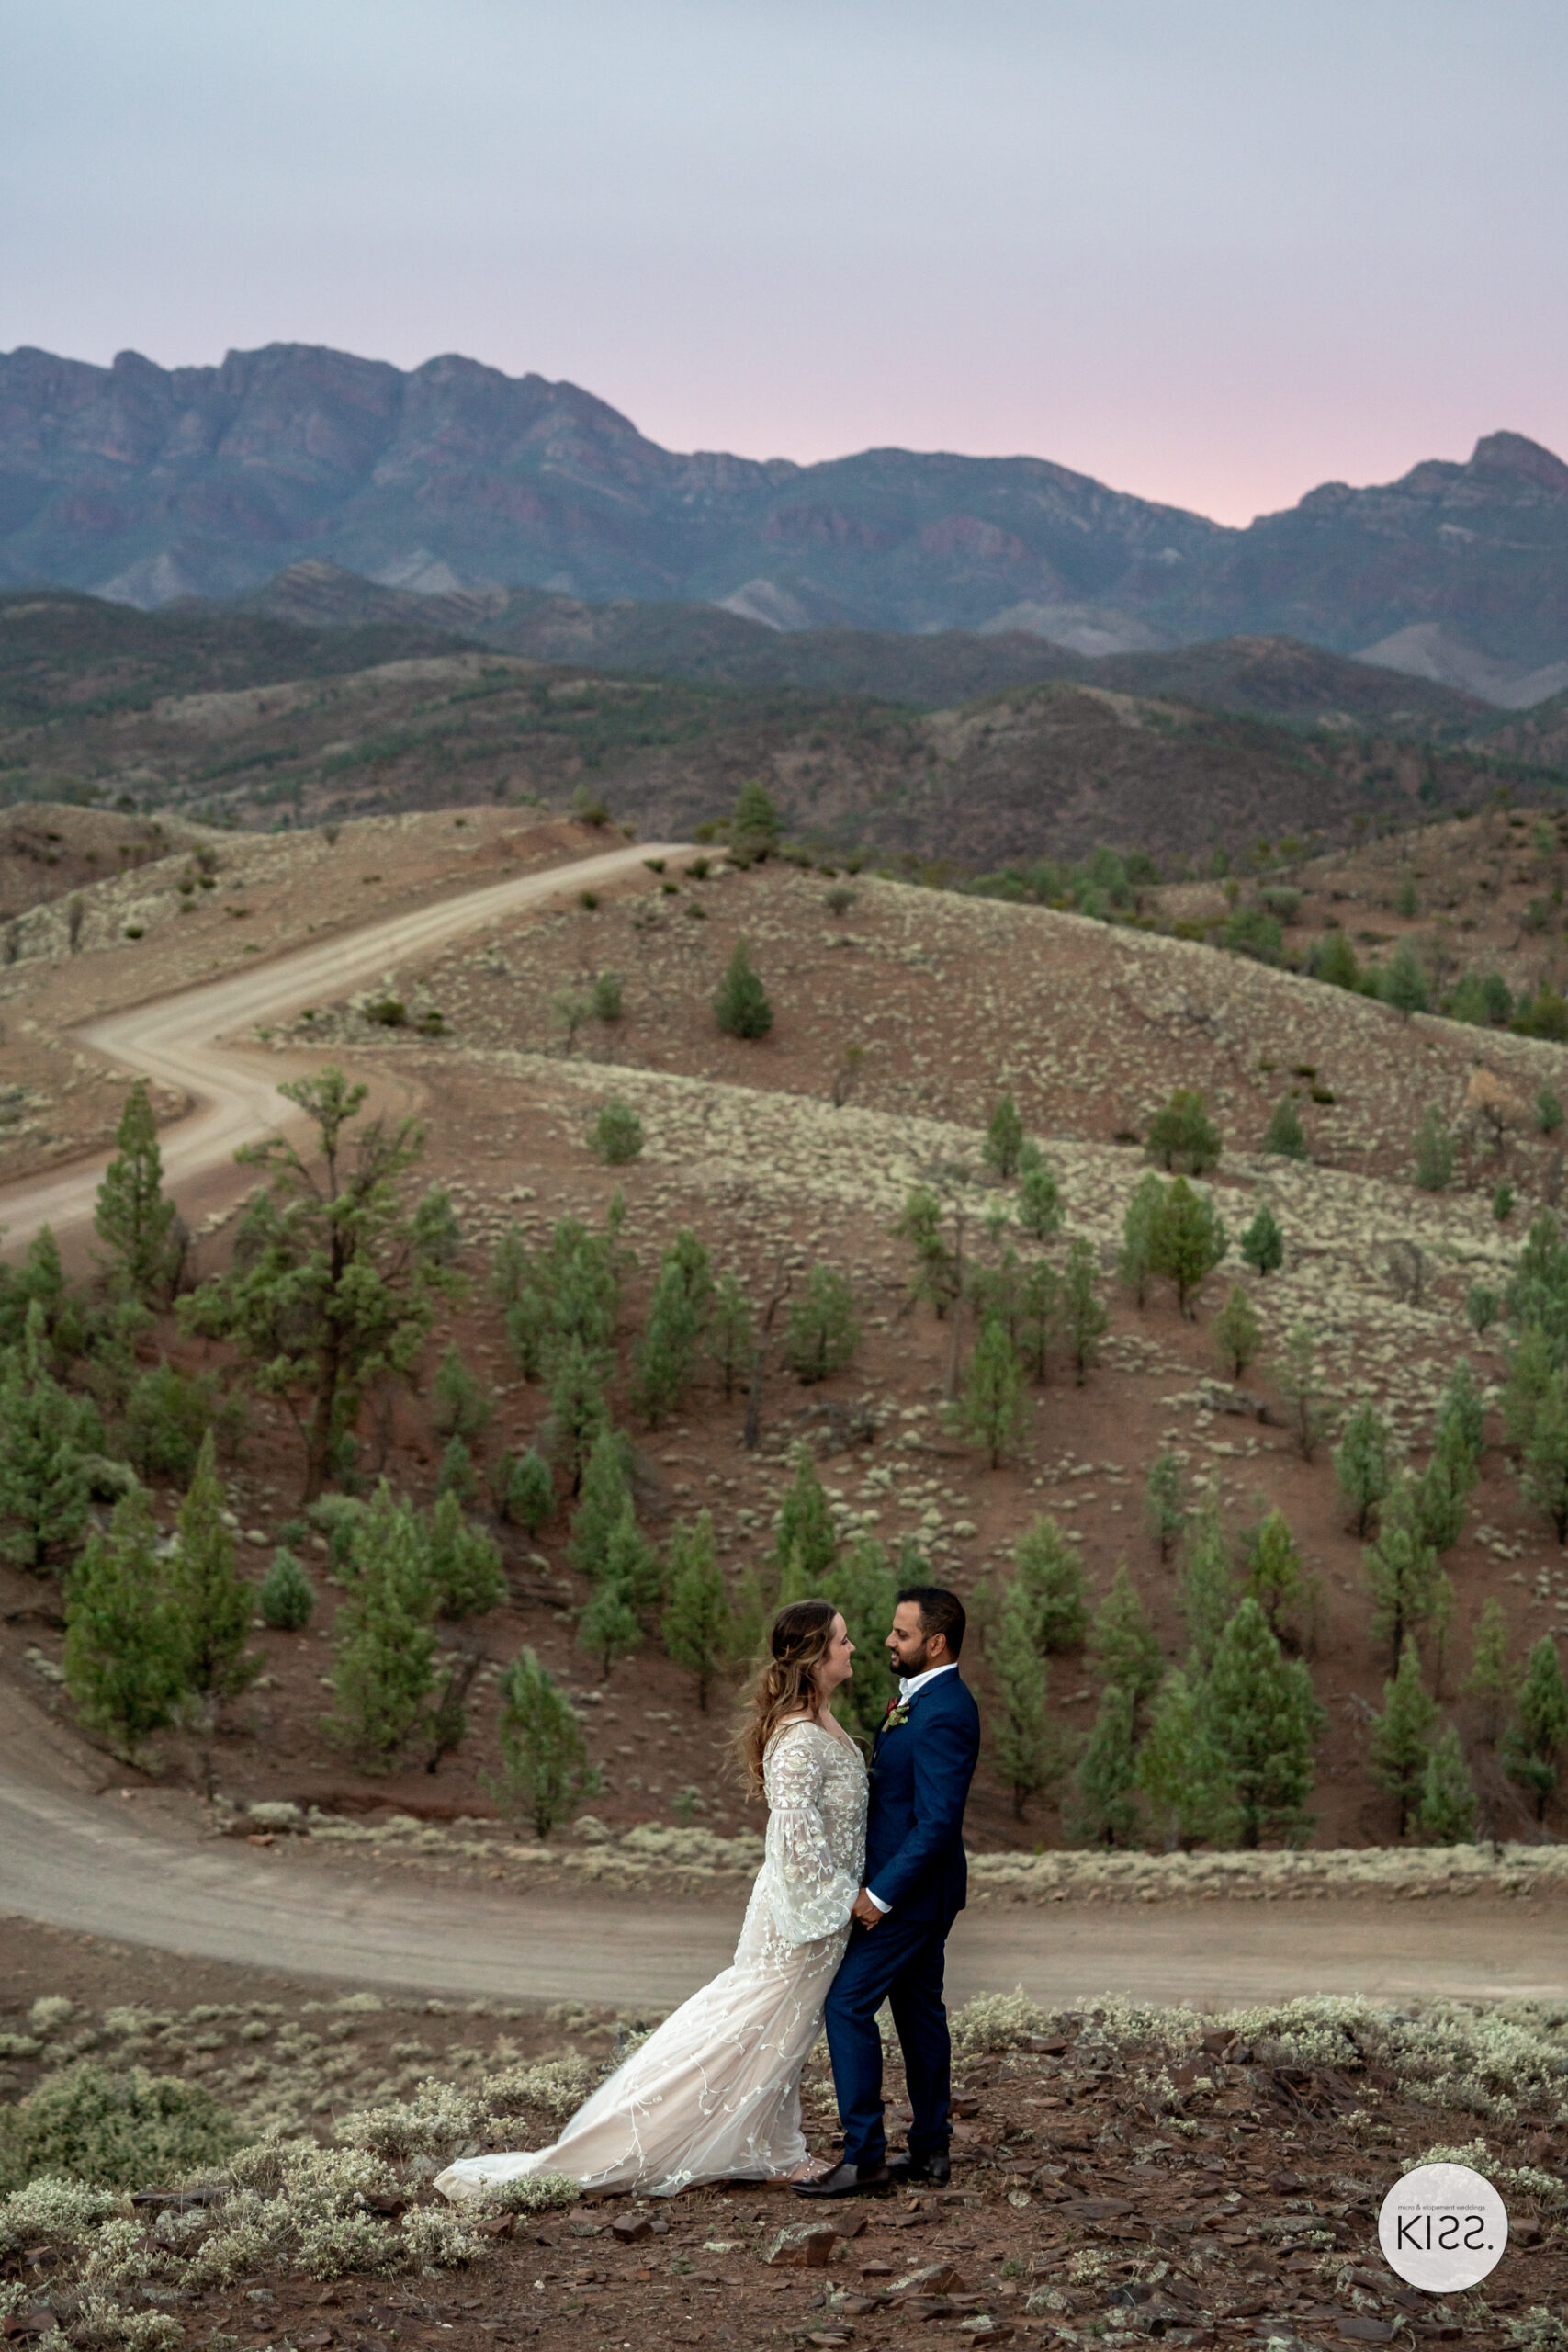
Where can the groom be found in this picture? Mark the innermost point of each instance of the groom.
(915, 1881)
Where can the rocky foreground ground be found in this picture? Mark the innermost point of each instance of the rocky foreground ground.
(1121, 2175)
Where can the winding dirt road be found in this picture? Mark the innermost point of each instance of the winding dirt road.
(77, 1859)
(180, 1039)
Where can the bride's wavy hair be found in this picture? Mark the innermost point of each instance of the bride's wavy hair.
(785, 1682)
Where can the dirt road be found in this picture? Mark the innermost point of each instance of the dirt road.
(75, 1859)
(180, 1039)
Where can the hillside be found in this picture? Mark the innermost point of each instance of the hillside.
(188, 713)
(149, 485)
(1268, 677)
(900, 1016)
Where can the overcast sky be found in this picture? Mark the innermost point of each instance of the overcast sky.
(1212, 251)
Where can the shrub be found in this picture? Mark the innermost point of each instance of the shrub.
(615, 1135)
(1334, 962)
(839, 900)
(605, 996)
(287, 1598)
(1548, 1111)
(741, 1007)
(461, 1406)
(1183, 1132)
(117, 2130)
(1253, 931)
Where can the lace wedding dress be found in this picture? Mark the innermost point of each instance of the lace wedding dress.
(713, 2094)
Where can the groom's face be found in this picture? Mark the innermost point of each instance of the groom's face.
(910, 1646)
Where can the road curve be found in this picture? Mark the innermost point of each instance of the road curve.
(74, 1859)
(177, 1039)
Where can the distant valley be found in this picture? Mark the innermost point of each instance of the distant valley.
(453, 482)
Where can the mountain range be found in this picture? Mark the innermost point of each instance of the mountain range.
(453, 480)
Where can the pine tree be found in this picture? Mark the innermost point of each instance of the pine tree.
(1236, 1331)
(754, 828)
(1205, 1585)
(741, 1007)
(1492, 1674)
(1334, 962)
(1085, 1316)
(1265, 1719)
(608, 1628)
(1183, 1131)
(632, 1563)
(822, 1330)
(210, 1605)
(1301, 1390)
(1039, 1196)
(1102, 1809)
(1443, 1489)
(1402, 1734)
(699, 1631)
(545, 1772)
(1400, 1569)
(1532, 1371)
(578, 1410)
(937, 1273)
(1022, 1748)
(1122, 1643)
(1186, 1240)
(616, 1137)
(1362, 1461)
(332, 1285)
(1543, 1474)
(1039, 1315)
(1533, 1742)
(664, 1363)
(1186, 1779)
(1134, 1259)
(457, 1476)
(1263, 1244)
(731, 1333)
(39, 1282)
(462, 1564)
(1164, 1503)
(992, 1410)
(1047, 1569)
(1447, 1812)
(1439, 1619)
(122, 1652)
(385, 1652)
(1284, 1138)
(1004, 1138)
(606, 1491)
(132, 1218)
(805, 1543)
(1434, 1152)
(1274, 1571)
(1462, 1416)
(1403, 982)
(862, 1587)
(461, 1406)
(43, 1479)
(287, 1598)
(530, 1491)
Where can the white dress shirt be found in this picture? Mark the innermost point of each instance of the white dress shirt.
(909, 1686)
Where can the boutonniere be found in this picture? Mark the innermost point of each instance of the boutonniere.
(897, 1713)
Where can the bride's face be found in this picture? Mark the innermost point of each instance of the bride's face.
(835, 1667)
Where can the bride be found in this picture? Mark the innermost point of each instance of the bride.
(714, 2093)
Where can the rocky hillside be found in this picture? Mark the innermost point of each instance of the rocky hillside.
(149, 484)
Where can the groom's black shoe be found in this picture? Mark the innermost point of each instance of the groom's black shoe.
(848, 2180)
(934, 2171)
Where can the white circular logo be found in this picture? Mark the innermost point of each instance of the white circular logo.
(1442, 2228)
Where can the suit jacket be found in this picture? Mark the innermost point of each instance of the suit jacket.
(920, 1772)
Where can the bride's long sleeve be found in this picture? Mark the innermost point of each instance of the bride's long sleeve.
(809, 1895)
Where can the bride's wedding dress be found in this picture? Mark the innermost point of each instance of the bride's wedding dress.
(713, 2094)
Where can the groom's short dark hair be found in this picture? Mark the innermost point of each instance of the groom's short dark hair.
(941, 1613)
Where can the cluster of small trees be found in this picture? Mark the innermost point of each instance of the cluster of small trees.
(1220, 1749)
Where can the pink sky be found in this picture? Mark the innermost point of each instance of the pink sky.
(1211, 251)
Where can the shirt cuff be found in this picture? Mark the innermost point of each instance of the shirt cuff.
(882, 1907)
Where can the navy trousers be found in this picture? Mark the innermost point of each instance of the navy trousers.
(900, 1962)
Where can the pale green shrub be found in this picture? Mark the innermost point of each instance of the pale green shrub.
(437, 2119)
(48, 2015)
(436, 2238)
(998, 2021)
(1538, 2330)
(53, 2212)
(531, 2192)
(125, 2130)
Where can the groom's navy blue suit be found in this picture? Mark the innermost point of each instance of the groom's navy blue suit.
(920, 1772)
